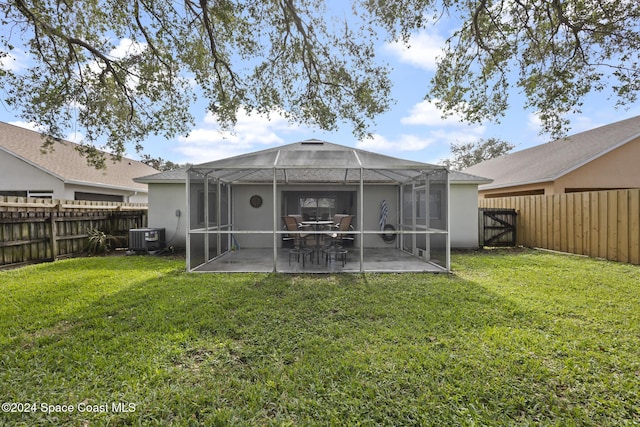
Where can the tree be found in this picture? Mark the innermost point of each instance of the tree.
(466, 155)
(124, 70)
(554, 51)
(127, 69)
(159, 163)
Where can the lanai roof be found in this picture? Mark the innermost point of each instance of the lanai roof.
(314, 161)
(179, 175)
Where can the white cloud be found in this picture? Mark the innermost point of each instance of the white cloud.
(251, 133)
(422, 51)
(450, 129)
(14, 61)
(27, 125)
(127, 47)
(578, 123)
(403, 142)
(76, 137)
(432, 142)
(426, 113)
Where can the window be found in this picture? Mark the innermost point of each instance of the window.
(317, 208)
(79, 195)
(41, 194)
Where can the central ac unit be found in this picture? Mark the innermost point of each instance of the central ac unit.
(146, 239)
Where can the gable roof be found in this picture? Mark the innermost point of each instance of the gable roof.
(66, 164)
(550, 161)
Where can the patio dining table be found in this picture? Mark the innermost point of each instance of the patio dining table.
(317, 225)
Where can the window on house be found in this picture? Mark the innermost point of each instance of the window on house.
(79, 195)
(41, 194)
(317, 208)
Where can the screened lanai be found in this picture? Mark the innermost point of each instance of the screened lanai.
(238, 209)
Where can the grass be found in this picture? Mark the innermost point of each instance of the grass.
(512, 338)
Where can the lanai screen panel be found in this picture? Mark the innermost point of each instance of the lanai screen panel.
(438, 218)
(421, 196)
(209, 216)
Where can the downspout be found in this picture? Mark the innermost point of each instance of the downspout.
(275, 211)
(361, 219)
(206, 218)
(188, 236)
(131, 195)
(448, 254)
(275, 222)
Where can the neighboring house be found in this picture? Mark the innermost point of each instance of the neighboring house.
(62, 173)
(604, 158)
(335, 186)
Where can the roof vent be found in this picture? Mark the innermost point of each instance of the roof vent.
(312, 142)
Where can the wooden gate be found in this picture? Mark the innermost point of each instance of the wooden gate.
(497, 227)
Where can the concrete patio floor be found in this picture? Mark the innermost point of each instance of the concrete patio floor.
(389, 260)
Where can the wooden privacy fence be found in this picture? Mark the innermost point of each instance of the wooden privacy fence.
(36, 230)
(599, 224)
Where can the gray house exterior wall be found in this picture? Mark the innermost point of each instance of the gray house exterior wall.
(167, 197)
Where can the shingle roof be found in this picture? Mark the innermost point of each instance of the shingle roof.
(550, 161)
(457, 177)
(165, 177)
(65, 163)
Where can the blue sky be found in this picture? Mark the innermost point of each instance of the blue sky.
(412, 129)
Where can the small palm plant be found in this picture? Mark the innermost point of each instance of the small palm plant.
(99, 242)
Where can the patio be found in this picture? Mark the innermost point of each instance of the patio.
(376, 260)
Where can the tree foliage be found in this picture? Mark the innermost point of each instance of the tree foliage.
(159, 163)
(555, 52)
(466, 155)
(125, 70)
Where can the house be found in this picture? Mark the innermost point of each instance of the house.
(217, 207)
(604, 158)
(63, 173)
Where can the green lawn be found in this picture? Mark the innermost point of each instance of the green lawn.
(513, 337)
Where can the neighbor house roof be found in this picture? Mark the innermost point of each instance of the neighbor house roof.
(65, 162)
(311, 160)
(550, 161)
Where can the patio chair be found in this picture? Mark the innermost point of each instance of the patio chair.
(342, 228)
(300, 240)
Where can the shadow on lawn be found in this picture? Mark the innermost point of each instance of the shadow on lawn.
(261, 348)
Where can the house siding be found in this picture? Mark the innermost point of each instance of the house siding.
(166, 198)
(18, 175)
(463, 214)
(614, 170)
(617, 169)
(164, 201)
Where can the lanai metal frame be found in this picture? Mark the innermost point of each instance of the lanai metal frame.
(315, 163)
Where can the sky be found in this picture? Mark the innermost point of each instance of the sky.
(411, 129)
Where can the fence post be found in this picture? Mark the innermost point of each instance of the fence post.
(54, 232)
